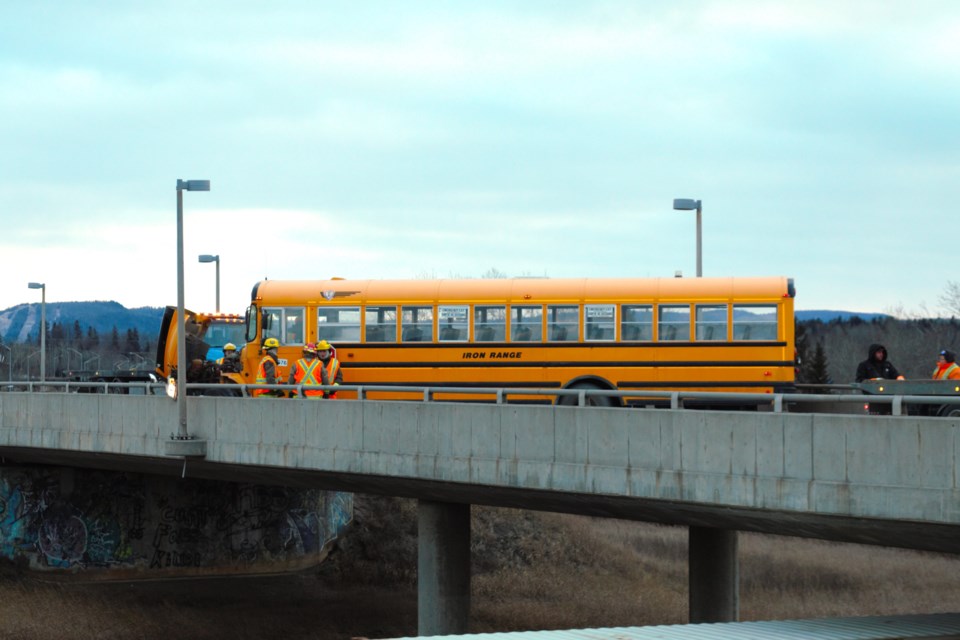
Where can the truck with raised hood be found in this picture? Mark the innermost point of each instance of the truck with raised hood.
(206, 335)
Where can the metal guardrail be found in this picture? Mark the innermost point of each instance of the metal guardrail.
(777, 402)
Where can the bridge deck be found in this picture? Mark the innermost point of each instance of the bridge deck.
(889, 480)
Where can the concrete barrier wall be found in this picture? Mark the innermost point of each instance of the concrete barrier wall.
(861, 466)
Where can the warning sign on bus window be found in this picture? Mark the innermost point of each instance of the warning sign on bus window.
(455, 314)
(600, 312)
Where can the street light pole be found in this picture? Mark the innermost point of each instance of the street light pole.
(183, 185)
(43, 327)
(686, 204)
(208, 258)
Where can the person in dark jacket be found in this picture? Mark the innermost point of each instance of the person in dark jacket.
(877, 366)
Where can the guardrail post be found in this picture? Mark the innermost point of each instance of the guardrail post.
(360, 393)
(674, 400)
(778, 403)
(897, 406)
(582, 398)
(500, 396)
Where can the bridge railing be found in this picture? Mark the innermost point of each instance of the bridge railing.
(837, 402)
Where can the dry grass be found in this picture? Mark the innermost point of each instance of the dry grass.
(531, 571)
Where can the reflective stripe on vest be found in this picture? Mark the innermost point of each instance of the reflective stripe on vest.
(333, 367)
(307, 373)
(262, 376)
(945, 374)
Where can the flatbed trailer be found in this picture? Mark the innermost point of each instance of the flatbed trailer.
(928, 389)
(92, 381)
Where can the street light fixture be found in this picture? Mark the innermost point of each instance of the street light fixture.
(183, 185)
(208, 258)
(686, 204)
(43, 327)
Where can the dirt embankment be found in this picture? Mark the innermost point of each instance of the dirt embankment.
(530, 571)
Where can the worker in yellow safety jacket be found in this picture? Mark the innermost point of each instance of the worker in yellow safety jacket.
(331, 373)
(268, 372)
(307, 371)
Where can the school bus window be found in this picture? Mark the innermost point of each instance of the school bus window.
(754, 322)
(338, 324)
(599, 321)
(711, 322)
(490, 323)
(417, 324)
(453, 323)
(563, 323)
(526, 324)
(673, 322)
(284, 323)
(636, 322)
(251, 322)
(380, 324)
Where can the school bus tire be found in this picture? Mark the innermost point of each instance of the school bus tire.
(592, 401)
(949, 411)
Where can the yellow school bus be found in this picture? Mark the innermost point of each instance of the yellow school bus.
(709, 334)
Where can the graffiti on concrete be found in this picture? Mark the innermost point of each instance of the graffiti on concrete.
(77, 519)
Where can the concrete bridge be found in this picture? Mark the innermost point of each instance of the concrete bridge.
(879, 480)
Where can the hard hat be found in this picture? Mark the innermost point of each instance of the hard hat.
(271, 343)
(229, 347)
(323, 345)
(309, 348)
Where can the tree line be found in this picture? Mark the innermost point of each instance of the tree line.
(73, 348)
(830, 351)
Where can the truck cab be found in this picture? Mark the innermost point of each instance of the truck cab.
(206, 334)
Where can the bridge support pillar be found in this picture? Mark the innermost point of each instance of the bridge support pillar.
(714, 575)
(443, 568)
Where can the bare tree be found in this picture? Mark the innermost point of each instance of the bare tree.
(950, 299)
(493, 274)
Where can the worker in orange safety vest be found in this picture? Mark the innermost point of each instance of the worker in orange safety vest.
(331, 373)
(307, 371)
(947, 368)
(268, 372)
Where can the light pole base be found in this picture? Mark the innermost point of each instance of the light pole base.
(185, 448)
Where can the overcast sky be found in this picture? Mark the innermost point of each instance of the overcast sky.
(398, 139)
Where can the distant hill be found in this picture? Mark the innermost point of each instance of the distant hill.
(21, 322)
(828, 315)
